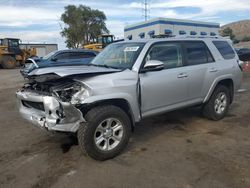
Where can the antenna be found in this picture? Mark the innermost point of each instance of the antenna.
(145, 10)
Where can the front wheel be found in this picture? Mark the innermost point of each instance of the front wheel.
(217, 106)
(106, 132)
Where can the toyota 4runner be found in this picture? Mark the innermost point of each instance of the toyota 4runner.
(127, 82)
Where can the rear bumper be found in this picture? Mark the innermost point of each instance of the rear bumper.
(53, 115)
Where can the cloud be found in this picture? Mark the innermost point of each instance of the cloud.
(16, 16)
(39, 20)
(36, 37)
(207, 8)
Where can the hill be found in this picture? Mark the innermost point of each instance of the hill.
(241, 28)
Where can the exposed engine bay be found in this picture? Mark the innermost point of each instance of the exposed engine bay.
(52, 96)
(61, 88)
(51, 103)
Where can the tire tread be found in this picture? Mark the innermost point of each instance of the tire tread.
(90, 117)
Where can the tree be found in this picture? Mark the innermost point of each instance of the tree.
(82, 25)
(228, 32)
(246, 39)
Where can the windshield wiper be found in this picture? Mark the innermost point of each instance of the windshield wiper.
(104, 65)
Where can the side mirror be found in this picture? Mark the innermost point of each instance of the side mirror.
(153, 65)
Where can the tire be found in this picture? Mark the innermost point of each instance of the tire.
(8, 62)
(217, 106)
(97, 120)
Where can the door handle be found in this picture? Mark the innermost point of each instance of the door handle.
(182, 75)
(213, 70)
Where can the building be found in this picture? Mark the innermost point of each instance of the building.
(176, 27)
(42, 49)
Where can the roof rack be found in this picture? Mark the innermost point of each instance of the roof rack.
(163, 36)
(181, 36)
(212, 37)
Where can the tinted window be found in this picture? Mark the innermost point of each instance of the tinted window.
(225, 49)
(13, 43)
(62, 56)
(197, 53)
(209, 56)
(81, 55)
(168, 53)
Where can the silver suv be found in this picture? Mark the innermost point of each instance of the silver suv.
(128, 82)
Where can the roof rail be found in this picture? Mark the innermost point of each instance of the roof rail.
(212, 37)
(181, 36)
(163, 36)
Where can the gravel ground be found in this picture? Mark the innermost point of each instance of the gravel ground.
(180, 149)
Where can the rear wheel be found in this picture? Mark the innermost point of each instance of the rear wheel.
(106, 132)
(8, 62)
(217, 106)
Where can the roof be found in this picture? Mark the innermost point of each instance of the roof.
(156, 21)
(178, 38)
(78, 50)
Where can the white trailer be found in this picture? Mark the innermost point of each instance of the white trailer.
(42, 49)
(175, 27)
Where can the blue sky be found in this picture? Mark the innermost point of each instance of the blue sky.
(39, 20)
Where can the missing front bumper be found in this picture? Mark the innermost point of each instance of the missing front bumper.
(54, 116)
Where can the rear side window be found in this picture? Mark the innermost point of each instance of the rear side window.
(225, 49)
(197, 53)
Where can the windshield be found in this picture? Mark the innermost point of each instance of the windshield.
(119, 55)
(49, 55)
(107, 40)
(13, 43)
(99, 40)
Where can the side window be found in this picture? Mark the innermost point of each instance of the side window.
(225, 49)
(197, 53)
(210, 58)
(80, 55)
(168, 53)
(85, 55)
(62, 56)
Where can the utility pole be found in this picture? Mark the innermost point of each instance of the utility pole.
(145, 10)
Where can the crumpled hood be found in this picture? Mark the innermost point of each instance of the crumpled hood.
(72, 70)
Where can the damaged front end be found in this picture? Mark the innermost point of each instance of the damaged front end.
(51, 104)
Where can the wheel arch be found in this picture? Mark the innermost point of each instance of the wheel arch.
(119, 102)
(228, 82)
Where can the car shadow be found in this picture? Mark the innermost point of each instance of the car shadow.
(68, 142)
(179, 120)
(147, 129)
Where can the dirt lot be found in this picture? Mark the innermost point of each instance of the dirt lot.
(178, 150)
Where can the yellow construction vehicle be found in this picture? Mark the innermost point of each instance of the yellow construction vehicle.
(11, 54)
(102, 42)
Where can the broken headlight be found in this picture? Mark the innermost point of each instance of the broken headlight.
(73, 93)
(79, 96)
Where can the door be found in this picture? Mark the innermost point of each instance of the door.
(201, 69)
(162, 90)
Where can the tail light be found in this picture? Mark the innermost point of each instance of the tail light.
(245, 66)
